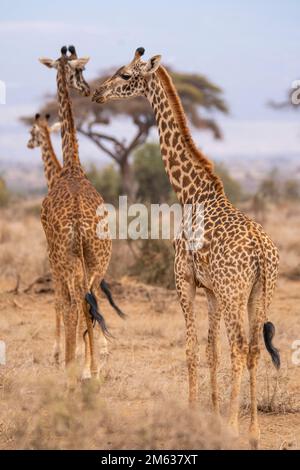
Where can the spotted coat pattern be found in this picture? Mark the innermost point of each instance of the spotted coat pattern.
(237, 265)
(40, 137)
(70, 216)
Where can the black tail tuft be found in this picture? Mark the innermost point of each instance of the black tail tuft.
(96, 315)
(106, 290)
(269, 332)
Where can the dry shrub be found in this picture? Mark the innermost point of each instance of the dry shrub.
(22, 245)
(5, 233)
(121, 260)
(155, 264)
(293, 274)
(275, 394)
(87, 419)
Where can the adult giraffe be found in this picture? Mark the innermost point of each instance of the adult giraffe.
(40, 137)
(72, 213)
(237, 264)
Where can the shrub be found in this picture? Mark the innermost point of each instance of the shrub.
(4, 193)
(155, 264)
(107, 181)
(232, 187)
(150, 175)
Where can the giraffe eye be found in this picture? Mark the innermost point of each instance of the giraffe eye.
(125, 76)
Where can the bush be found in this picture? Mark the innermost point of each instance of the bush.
(270, 188)
(156, 263)
(107, 181)
(150, 175)
(233, 189)
(4, 193)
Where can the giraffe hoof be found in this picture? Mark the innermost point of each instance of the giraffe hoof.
(86, 375)
(254, 443)
(254, 436)
(56, 356)
(234, 429)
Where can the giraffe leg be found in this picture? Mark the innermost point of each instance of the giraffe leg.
(57, 344)
(91, 343)
(70, 322)
(234, 317)
(102, 341)
(86, 373)
(82, 337)
(61, 294)
(186, 289)
(255, 313)
(213, 347)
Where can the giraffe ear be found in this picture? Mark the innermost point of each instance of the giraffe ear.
(55, 127)
(79, 63)
(48, 62)
(152, 64)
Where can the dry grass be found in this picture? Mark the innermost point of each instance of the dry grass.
(142, 399)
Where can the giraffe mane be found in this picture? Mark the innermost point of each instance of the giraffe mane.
(181, 121)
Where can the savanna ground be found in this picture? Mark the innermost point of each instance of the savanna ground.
(141, 402)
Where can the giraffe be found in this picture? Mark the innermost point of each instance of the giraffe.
(236, 264)
(40, 137)
(72, 213)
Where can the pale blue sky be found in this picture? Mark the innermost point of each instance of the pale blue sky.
(249, 48)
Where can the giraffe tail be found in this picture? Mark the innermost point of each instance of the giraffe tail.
(268, 327)
(106, 290)
(90, 299)
(269, 332)
(96, 315)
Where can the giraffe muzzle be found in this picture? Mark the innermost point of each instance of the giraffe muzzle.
(98, 97)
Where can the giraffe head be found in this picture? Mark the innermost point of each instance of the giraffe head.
(38, 129)
(130, 80)
(73, 68)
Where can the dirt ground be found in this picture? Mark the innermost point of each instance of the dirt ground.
(141, 401)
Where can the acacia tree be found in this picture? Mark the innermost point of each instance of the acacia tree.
(196, 92)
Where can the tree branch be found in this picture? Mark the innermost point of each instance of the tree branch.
(96, 140)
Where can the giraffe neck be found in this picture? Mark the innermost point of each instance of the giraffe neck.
(189, 171)
(52, 166)
(65, 112)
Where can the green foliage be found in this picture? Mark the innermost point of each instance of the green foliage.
(150, 175)
(232, 187)
(107, 181)
(156, 263)
(4, 193)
